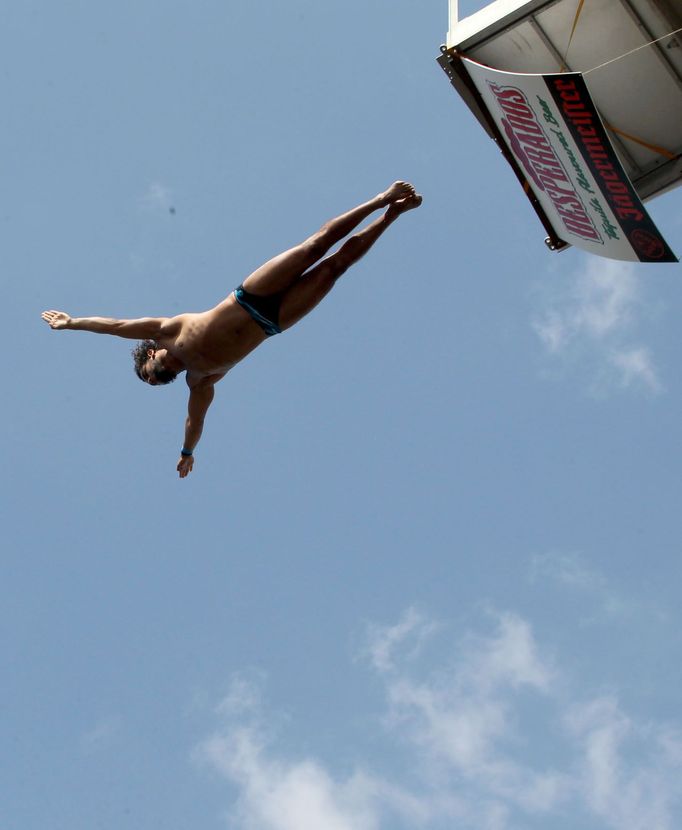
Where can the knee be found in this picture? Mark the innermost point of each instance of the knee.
(336, 266)
(318, 244)
(352, 249)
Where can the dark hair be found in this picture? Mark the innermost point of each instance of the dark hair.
(163, 376)
(140, 357)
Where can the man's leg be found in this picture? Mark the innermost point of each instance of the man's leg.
(279, 273)
(309, 289)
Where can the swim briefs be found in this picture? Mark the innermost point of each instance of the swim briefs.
(264, 310)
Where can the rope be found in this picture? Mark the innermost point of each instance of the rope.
(632, 51)
(653, 147)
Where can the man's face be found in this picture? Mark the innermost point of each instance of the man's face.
(154, 364)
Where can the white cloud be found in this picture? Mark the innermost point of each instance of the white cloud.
(591, 319)
(606, 601)
(595, 303)
(466, 733)
(463, 721)
(630, 774)
(297, 794)
(570, 571)
(636, 367)
(244, 695)
(510, 657)
(383, 642)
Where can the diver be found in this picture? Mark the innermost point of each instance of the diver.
(206, 345)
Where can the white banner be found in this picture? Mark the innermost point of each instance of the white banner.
(552, 127)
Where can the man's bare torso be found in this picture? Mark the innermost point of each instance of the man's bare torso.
(209, 343)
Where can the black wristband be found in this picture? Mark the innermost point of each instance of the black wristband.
(186, 453)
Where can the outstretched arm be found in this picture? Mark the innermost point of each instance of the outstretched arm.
(200, 398)
(141, 329)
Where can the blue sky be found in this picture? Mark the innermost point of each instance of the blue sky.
(425, 572)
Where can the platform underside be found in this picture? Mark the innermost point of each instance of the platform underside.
(639, 95)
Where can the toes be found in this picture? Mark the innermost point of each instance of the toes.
(399, 189)
(413, 200)
(399, 193)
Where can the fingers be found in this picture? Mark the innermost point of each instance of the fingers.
(185, 465)
(52, 318)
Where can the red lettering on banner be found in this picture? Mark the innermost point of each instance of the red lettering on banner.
(565, 201)
(630, 213)
(570, 96)
(550, 172)
(531, 146)
(580, 228)
(615, 187)
(525, 125)
(509, 93)
(515, 108)
(595, 149)
(540, 157)
(539, 141)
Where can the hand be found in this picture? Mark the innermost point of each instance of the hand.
(185, 465)
(56, 319)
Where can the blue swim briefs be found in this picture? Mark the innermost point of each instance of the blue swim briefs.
(264, 310)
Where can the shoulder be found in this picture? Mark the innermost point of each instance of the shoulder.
(171, 326)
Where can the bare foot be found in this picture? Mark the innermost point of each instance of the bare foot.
(398, 190)
(401, 205)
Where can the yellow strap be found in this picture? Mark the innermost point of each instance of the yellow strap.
(575, 23)
(656, 149)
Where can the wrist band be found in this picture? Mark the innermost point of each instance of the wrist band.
(185, 452)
